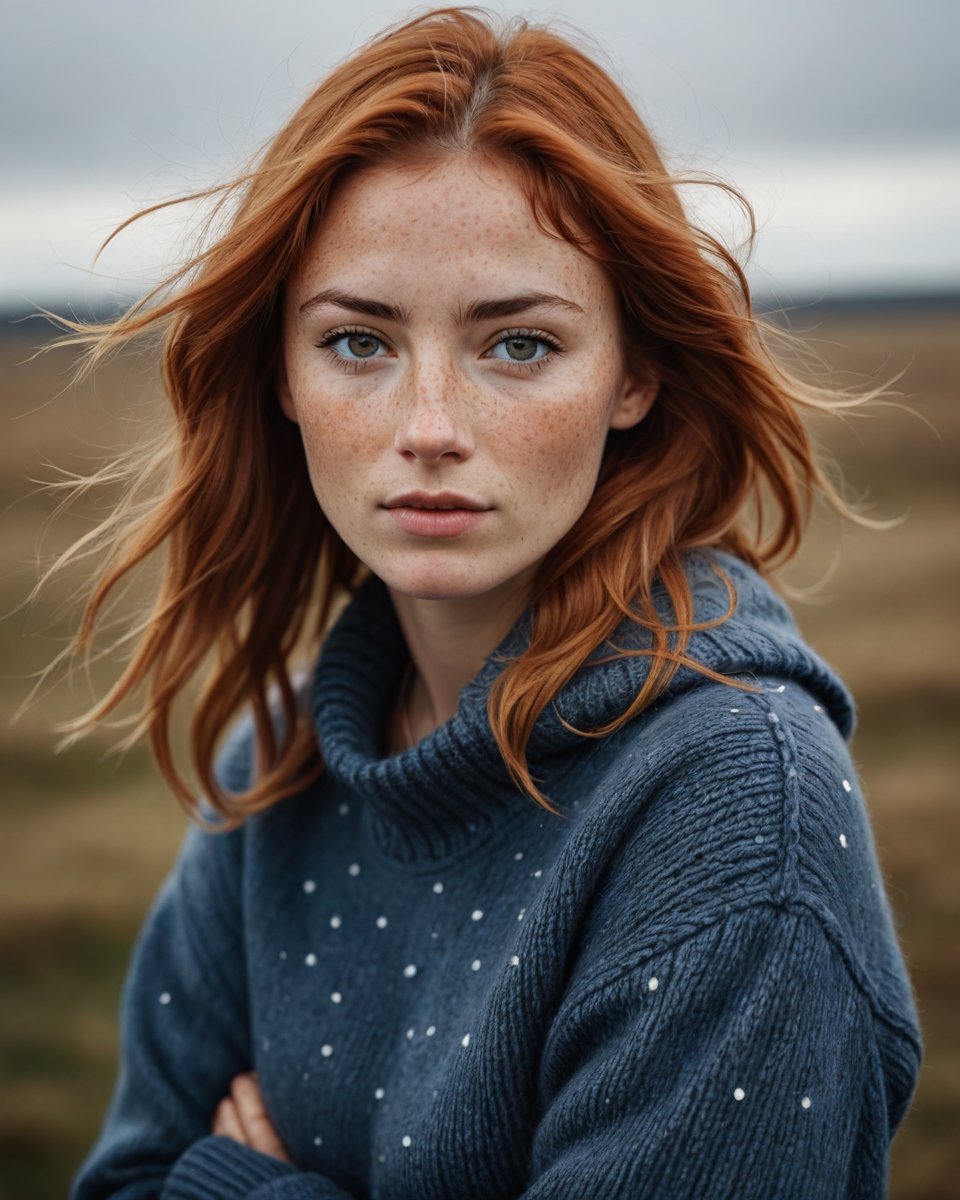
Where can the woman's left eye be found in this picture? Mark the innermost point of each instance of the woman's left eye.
(522, 348)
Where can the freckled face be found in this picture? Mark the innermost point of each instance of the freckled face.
(454, 372)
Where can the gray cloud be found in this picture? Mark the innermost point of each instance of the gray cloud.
(108, 87)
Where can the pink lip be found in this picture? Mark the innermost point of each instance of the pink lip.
(435, 514)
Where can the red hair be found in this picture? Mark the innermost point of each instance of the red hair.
(253, 567)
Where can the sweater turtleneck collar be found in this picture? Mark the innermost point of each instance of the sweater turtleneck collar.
(433, 799)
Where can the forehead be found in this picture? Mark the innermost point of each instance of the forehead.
(463, 219)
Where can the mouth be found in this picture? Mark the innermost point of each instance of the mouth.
(436, 514)
(436, 502)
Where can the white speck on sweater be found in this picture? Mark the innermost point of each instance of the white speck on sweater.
(381, 922)
(847, 786)
(405, 1139)
(336, 997)
(335, 922)
(410, 970)
(465, 1040)
(379, 1094)
(311, 960)
(805, 1102)
(309, 886)
(653, 983)
(475, 965)
(164, 997)
(477, 914)
(514, 960)
(738, 1093)
(353, 869)
(431, 1030)
(326, 1049)
(843, 840)
(438, 887)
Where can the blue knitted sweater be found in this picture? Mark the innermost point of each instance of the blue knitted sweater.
(687, 985)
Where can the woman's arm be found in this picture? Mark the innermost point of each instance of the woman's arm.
(744, 1060)
(184, 1039)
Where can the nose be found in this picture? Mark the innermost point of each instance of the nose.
(433, 424)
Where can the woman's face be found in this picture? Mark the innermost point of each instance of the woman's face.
(454, 372)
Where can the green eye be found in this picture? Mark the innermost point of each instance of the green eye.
(522, 348)
(360, 345)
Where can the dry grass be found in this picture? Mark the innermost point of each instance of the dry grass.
(86, 841)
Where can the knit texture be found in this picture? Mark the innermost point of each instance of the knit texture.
(687, 985)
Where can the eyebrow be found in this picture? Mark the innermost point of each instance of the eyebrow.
(477, 310)
(371, 308)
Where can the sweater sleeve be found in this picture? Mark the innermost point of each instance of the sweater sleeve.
(184, 1036)
(742, 1061)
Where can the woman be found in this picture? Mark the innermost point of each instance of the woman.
(552, 879)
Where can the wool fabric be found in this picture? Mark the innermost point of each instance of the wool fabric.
(686, 985)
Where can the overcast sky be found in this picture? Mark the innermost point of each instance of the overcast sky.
(840, 120)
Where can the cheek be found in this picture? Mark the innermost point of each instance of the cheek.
(556, 451)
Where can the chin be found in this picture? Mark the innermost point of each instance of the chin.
(448, 582)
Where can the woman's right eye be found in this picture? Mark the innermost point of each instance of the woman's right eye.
(354, 346)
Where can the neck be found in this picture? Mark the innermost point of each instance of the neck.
(448, 642)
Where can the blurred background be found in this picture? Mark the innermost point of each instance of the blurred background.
(841, 123)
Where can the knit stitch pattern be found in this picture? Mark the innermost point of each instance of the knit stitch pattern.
(687, 985)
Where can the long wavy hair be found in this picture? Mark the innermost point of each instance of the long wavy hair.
(252, 567)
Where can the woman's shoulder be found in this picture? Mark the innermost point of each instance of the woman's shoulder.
(731, 801)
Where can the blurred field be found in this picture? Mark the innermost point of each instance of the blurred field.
(86, 839)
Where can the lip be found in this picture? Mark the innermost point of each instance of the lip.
(435, 514)
(436, 500)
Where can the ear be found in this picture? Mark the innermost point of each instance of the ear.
(284, 395)
(635, 401)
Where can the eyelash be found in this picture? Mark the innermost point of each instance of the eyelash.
(354, 365)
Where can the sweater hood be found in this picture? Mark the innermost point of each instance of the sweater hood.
(455, 778)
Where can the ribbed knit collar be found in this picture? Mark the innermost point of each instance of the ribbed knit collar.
(429, 802)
